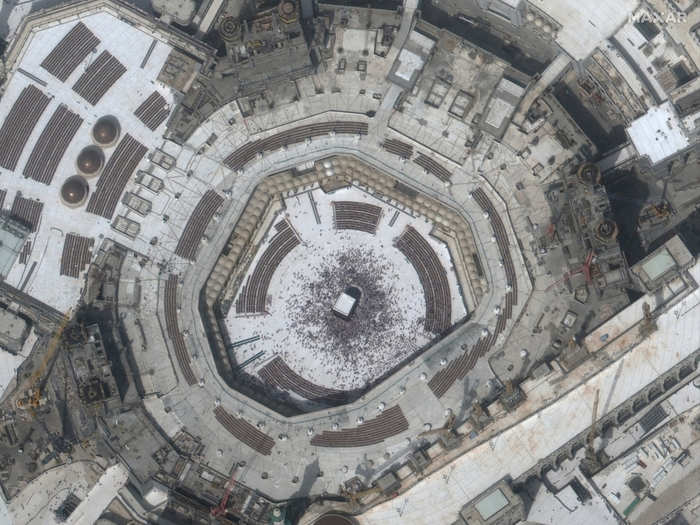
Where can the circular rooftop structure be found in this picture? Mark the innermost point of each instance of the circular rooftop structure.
(106, 130)
(335, 519)
(90, 161)
(287, 8)
(589, 174)
(74, 191)
(607, 230)
(229, 28)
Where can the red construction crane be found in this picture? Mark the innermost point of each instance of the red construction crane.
(551, 230)
(585, 269)
(221, 508)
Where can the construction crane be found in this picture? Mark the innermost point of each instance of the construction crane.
(585, 268)
(444, 430)
(590, 452)
(653, 214)
(554, 222)
(647, 325)
(37, 380)
(221, 508)
(659, 209)
(446, 434)
(354, 497)
(387, 485)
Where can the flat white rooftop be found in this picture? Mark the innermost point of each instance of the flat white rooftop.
(412, 58)
(491, 504)
(658, 134)
(586, 24)
(9, 363)
(659, 264)
(566, 507)
(11, 325)
(100, 496)
(517, 449)
(11, 242)
(410, 64)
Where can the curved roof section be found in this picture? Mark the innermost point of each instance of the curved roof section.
(74, 190)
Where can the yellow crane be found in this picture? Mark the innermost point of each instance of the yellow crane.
(354, 497)
(33, 399)
(387, 485)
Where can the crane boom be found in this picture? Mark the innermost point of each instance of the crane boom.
(354, 497)
(446, 428)
(221, 508)
(585, 268)
(37, 379)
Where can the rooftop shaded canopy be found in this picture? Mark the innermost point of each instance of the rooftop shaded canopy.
(106, 130)
(74, 190)
(90, 160)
